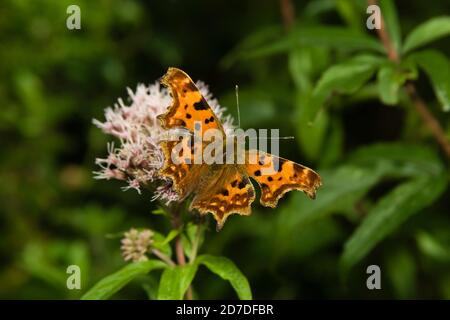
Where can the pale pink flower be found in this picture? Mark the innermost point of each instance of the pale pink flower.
(135, 244)
(138, 158)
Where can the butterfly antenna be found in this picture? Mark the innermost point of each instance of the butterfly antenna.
(237, 106)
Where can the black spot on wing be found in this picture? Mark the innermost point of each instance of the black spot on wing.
(201, 105)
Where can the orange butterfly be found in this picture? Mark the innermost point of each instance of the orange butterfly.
(223, 189)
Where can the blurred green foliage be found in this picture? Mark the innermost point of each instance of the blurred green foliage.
(385, 198)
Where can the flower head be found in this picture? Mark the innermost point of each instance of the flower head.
(135, 244)
(138, 158)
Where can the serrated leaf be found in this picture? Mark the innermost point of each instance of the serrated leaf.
(227, 270)
(427, 32)
(175, 281)
(111, 284)
(437, 68)
(388, 214)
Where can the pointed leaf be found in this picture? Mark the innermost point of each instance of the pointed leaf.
(227, 270)
(389, 213)
(427, 32)
(106, 287)
(344, 78)
(437, 68)
(175, 281)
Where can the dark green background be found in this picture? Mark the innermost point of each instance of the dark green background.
(55, 80)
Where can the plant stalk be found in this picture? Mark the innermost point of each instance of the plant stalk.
(179, 250)
(419, 104)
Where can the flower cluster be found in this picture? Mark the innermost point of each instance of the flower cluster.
(135, 244)
(138, 158)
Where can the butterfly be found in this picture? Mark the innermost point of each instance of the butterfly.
(222, 189)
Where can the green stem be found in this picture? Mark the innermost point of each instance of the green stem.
(179, 250)
(419, 104)
(195, 244)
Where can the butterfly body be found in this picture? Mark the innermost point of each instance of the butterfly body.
(222, 188)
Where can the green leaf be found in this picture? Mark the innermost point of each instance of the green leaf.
(161, 242)
(390, 17)
(389, 213)
(401, 270)
(344, 78)
(254, 40)
(333, 146)
(427, 32)
(437, 68)
(431, 246)
(404, 160)
(350, 13)
(175, 281)
(315, 8)
(106, 287)
(310, 135)
(334, 196)
(227, 270)
(305, 63)
(387, 85)
(159, 211)
(275, 42)
(170, 236)
(336, 37)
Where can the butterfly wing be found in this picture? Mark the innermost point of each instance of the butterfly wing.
(223, 189)
(206, 182)
(276, 176)
(184, 175)
(226, 190)
(188, 104)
